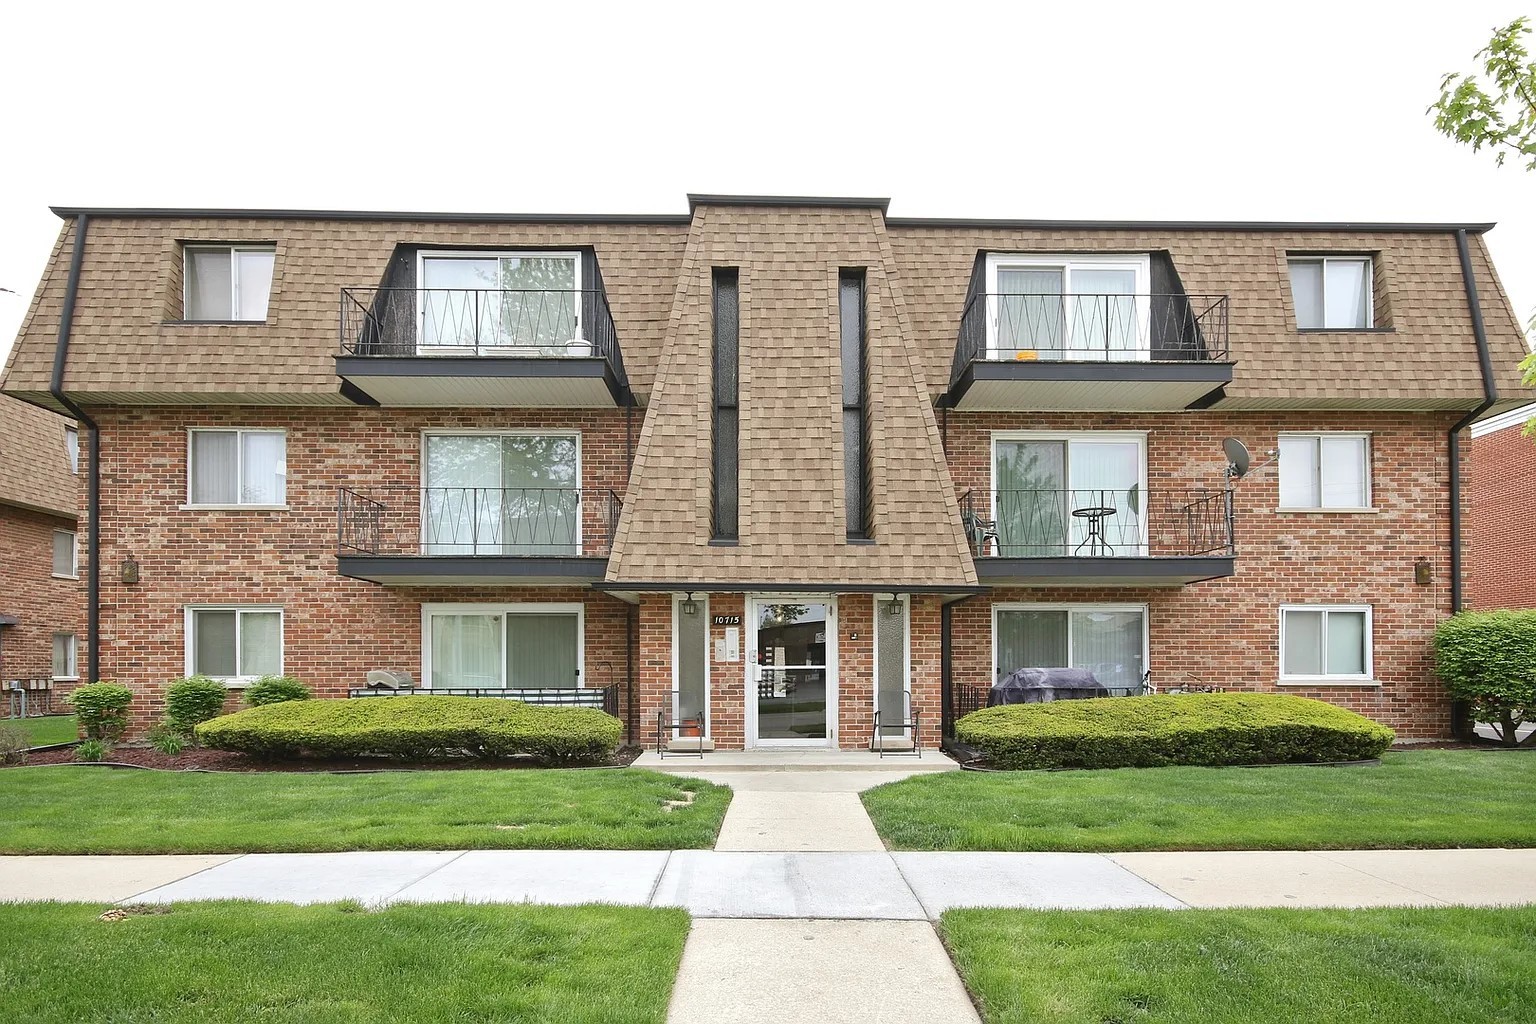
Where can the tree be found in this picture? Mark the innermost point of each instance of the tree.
(1496, 108)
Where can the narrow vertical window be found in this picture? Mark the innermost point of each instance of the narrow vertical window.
(726, 417)
(850, 304)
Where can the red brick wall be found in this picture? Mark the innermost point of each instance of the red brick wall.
(28, 590)
(1226, 631)
(1500, 520)
(335, 629)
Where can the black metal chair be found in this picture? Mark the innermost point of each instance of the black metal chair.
(911, 722)
(666, 731)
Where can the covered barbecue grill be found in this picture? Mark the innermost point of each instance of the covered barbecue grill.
(1040, 685)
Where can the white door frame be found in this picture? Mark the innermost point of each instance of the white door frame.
(750, 676)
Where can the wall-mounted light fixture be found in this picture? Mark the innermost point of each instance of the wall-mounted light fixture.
(1423, 572)
(130, 570)
(690, 606)
(893, 606)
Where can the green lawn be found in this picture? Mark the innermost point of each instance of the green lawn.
(97, 810)
(275, 964)
(1428, 798)
(53, 729)
(1441, 965)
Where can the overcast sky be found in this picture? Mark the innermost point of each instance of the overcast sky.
(1102, 110)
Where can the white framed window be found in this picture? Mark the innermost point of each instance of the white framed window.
(65, 657)
(234, 643)
(516, 302)
(1325, 643)
(1332, 292)
(1045, 485)
(1325, 471)
(690, 658)
(72, 448)
(233, 467)
(226, 282)
(503, 646)
(1109, 640)
(501, 492)
(66, 554)
(1092, 307)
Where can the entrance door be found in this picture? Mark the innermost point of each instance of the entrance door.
(792, 673)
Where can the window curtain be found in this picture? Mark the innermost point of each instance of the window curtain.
(1343, 471)
(1103, 309)
(253, 283)
(1110, 645)
(1031, 639)
(459, 306)
(1345, 291)
(215, 467)
(1307, 292)
(541, 650)
(210, 285)
(64, 547)
(1030, 505)
(1303, 643)
(1346, 643)
(466, 651)
(1029, 313)
(261, 643)
(213, 644)
(265, 476)
(1107, 474)
(1299, 473)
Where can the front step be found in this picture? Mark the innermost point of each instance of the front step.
(779, 760)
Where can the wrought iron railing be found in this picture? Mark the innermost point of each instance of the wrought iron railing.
(492, 521)
(530, 323)
(1091, 328)
(1097, 522)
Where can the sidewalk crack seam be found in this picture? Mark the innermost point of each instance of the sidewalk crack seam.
(1323, 855)
(422, 877)
(650, 900)
(183, 878)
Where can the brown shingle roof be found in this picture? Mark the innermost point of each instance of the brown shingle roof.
(34, 463)
(792, 526)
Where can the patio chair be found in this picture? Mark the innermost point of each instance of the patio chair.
(667, 731)
(911, 723)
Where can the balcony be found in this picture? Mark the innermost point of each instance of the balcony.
(1090, 353)
(469, 536)
(1096, 538)
(498, 347)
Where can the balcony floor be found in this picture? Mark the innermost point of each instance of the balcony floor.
(1049, 386)
(474, 570)
(484, 381)
(1104, 571)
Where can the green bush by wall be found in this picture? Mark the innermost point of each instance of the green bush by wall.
(1171, 729)
(416, 727)
(1489, 660)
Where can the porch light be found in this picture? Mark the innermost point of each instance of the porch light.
(893, 606)
(690, 606)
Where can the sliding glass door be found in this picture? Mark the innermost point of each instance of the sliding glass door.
(501, 494)
(510, 303)
(1108, 640)
(503, 646)
(1060, 496)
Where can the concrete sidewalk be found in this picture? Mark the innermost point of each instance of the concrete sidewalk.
(865, 885)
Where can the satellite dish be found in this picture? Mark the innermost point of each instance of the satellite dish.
(1237, 457)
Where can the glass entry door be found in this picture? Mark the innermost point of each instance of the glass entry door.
(793, 672)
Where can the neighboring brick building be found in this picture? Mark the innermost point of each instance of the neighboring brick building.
(1501, 513)
(41, 603)
(786, 461)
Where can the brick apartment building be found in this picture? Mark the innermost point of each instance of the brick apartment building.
(788, 463)
(1501, 517)
(41, 601)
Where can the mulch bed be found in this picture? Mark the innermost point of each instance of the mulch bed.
(198, 759)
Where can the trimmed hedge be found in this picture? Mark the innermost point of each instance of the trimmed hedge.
(191, 700)
(415, 727)
(275, 690)
(1170, 729)
(1489, 660)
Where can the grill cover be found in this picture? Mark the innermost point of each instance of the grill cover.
(1039, 685)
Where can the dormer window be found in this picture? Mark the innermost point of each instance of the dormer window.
(227, 282)
(1332, 292)
(1088, 307)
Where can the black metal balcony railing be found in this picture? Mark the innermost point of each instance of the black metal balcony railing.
(1092, 328)
(1097, 523)
(484, 521)
(531, 323)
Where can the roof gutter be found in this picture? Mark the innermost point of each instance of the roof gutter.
(1490, 396)
(93, 471)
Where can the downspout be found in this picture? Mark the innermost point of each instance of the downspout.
(93, 470)
(1461, 725)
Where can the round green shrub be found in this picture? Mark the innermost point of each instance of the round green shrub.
(1172, 729)
(102, 709)
(275, 690)
(416, 727)
(192, 700)
(1489, 660)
